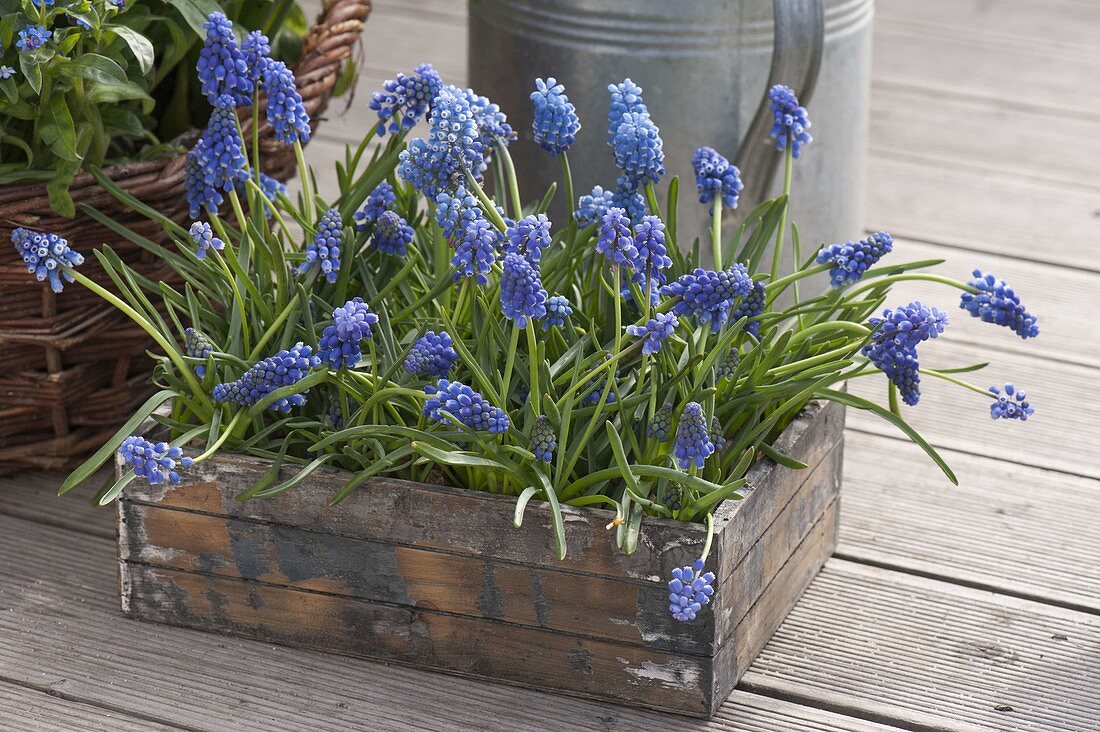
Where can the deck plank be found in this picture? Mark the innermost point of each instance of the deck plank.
(27, 710)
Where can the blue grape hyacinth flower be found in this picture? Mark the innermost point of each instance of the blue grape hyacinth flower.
(1012, 403)
(380, 200)
(594, 396)
(216, 164)
(409, 96)
(907, 326)
(638, 149)
(286, 113)
(198, 345)
(555, 124)
(628, 197)
(660, 427)
(431, 355)
(616, 240)
(476, 252)
(256, 50)
(626, 96)
(656, 330)
(155, 463)
(323, 251)
(900, 365)
(222, 67)
(751, 306)
(392, 234)
(716, 177)
(689, 590)
(791, 121)
(46, 256)
(693, 444)
(204, 239)
(543, 439)
(341, 342)
(453, 146)
(997, 303)
(285, 368)
(466, 405)
(528, 237)
(591, 207)
(652, 259)
(521, 293)
(558, 311)
(456, 211)
(716, 435)
(851, 259)
(709, 295)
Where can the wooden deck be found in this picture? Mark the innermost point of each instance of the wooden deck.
(945, 609)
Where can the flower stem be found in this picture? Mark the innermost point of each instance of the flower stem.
(716, 232)
(307, 184)
(533, 366)
(509, 364)
(513, 182)
(226, 433)
(567, 176)
(958, 382)
(890, 279)
(778, 255)
(490, 209)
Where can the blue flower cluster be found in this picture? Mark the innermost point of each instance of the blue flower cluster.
(409, 95)
(791, 120)
(198, 345)
(431, 355)
(997, 303)
(286, 113)
(528, 237)
(285, 368)
(656, 330)
(381, 199)
(689, 590)
(627, 197)
(751, 306)
(47, 256)
(558, 311)
(521, 293)
(33, 37)
(652, 259)
(660, 427)
(466, 405)
(709, 295)
(392, 234)
(555, 123)
(625, 97)
(1012, 404)
(455, 212)
(256, 50)
(340, 343)
(204, 238)
(222, 67)
(492, 124)
(216, 163)
(851, 259)
(893, 346)
(453, 145)
(616, 240)
(716, 177)
(543, 440)
(693, 445)
(727, 367)
(716, 435)
(638, 147)
(324, 249)
(594, 396)
(155, 463)
(591, 207)
(475, 254)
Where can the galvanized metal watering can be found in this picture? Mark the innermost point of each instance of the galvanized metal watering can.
(705, 67)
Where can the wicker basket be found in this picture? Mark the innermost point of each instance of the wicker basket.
(72, 369)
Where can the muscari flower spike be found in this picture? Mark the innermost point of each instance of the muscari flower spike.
(33, 37)
(693, 444)
(638, 148)
(466, 405)
(324, 249)
(47, 256)
(543, 440)
(408, 95)
(198, 345)
(751, 306)
(905, 327)
(222, 67)
(1012, 403)
(791, 120)
(521, 293)
(155, 463)
(660, 427)
(625, 97)
(286, 113)
(591, 207)
(715, 177)
(340, 343)
(454, 212)
(555, 123)
(558, 311)
(431, 355)
(216, 163)
(596, 394)
(453, 146)
(709, 295)
(900, 366)
(851, 259)
(528, 237)
(616, 241)
(475, 254)
(256, 50)
(716, 435)
(628, 197)
(652, 259)
(689, 590)
(204, 238)
(492, 124)
(285, 368)
(392, 234)
(997, 303)
(380, 200)
(654, 332)
(727, 367)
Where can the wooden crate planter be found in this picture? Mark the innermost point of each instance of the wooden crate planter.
(439, 578)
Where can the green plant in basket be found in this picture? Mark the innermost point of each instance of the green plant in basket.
(428, 330)
(84, 83)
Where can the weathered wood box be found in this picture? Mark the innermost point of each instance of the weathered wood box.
(439, 578)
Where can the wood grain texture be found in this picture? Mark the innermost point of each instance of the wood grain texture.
(33, 496)
(27, 710)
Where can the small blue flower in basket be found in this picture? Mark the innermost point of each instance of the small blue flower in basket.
(716, 177)
(851, 259)
(475, 254)
(543, 439)
(558, 311)
(591, 207)
(997, 303)
(380, 200)
(521, 292)
(689, 590)
(709, 295)
(464, 404)
(406, 99)
(47, 256)
(654, 332)
(323, 251)
(285, 368)
(222, 67)
(392, 234)
(693, 443)
(156, 463)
